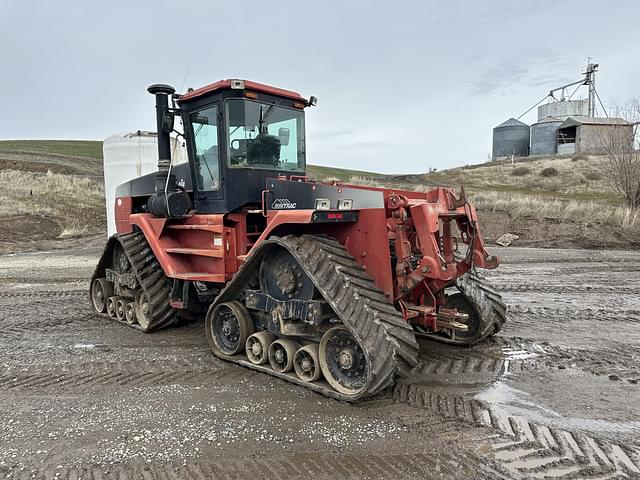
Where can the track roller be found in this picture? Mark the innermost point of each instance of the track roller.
(130, 313)
(257, 347)
(100, 291)
(306, 363)
(121, 305)
(112, 306)
(228, 326)
(281, 353)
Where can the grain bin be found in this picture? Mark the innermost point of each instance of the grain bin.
(511, 138)
(543, 136)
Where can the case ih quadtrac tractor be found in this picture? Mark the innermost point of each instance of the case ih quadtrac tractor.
(326, 285)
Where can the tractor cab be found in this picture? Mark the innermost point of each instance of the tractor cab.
(238, 134)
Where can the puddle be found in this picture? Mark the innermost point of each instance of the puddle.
(514, 402)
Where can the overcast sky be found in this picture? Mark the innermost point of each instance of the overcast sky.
(402, 86)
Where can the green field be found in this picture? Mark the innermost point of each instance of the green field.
(74, 148)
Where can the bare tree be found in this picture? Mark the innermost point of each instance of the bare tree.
(621, 148)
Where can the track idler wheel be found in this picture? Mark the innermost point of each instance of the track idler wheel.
(143, 310)
(343, 362)
(130, 313)
(228, 326)
(257, 347)
(281, 353)
(306, 363)
(100, 292)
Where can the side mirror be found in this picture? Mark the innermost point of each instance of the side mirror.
(168, 119)
(283, 136)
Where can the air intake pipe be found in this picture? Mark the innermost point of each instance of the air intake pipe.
(167, 201)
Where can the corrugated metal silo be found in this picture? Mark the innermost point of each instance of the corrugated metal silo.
(543, 136)
(511, 138)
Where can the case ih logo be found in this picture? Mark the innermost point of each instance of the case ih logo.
(282, 204)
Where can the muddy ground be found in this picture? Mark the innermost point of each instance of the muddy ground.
(555, 394)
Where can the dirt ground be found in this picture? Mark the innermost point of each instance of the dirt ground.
(555, 394)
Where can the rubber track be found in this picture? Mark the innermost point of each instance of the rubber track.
(150, 277)
(524, 448)
(388, 341)
(488, 303)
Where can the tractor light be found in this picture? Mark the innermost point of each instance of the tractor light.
(345, 204)
(313, 101)
(237, 84)
(323, 204)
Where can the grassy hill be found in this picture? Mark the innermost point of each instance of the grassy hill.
(53, 188)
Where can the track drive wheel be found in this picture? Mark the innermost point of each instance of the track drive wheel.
(100, 291)
(306, 363)
(257, 347)
(342, 361)
(228, 325)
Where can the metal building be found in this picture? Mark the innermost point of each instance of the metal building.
(543, 136)
(511, 138)
(563, 109)
(591, 134)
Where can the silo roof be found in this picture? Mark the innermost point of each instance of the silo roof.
(580, 120)
(512, 122)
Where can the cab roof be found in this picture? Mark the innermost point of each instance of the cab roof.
(236, 85)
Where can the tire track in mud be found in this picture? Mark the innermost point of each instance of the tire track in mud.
(58, 309)
(372, 466)
(455, 363)
(524, 449)
(42, 294)
(513, 260)
(90, 378)
(560, 289)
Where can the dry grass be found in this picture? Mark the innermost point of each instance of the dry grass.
(75, 203)
(519, 205)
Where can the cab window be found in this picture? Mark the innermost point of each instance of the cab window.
(205, 146)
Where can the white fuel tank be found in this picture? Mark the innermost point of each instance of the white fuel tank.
(130, 155)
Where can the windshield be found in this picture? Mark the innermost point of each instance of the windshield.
(264, 135)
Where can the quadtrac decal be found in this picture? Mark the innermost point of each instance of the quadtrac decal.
(283, 204)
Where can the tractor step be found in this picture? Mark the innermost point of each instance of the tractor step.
(203, 252)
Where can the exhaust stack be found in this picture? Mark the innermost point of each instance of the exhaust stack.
(167, 201)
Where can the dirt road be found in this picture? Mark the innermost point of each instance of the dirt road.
(555, 394)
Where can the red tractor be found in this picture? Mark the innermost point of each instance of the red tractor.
(325, 285)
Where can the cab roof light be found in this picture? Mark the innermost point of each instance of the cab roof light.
(298, 105)
(253, 95)
(237, 84)
(313, 101)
